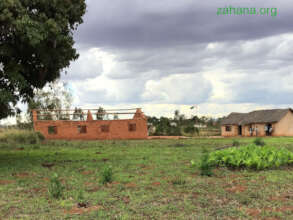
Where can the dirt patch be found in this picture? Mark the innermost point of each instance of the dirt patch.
(126, 199)
(167, 137)
(194, 195)
(87, 172)
(130, 185)
(285, 209)
(147, 167)
(105, 159)
(235, 189)
(93, 189)
(35, 190)
(80, 211)
(271, 218)
(6, 182)
(253, 212)
(277, 198)
(156, 184)
(46, 179)
(19, 148)
(22, 175)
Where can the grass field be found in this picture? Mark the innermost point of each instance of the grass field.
(151, 180)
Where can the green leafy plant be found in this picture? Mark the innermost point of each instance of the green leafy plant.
(235, 143)
(251, 156)
(192, 163)
(205, 167)
(55, 187)
(107, 175)
(259, 141)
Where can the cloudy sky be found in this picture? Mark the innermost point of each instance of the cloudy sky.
(166, 55)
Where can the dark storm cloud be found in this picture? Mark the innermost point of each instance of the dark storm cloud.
(162, 50)
(145, 24)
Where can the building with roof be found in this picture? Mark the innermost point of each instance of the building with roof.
(272, 122)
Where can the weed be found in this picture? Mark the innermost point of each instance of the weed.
(205, 167)
(235, 143)
(40, 136)
(107, 175)
(55, 187)
(13, 136)
(259, 141)
(81, 200)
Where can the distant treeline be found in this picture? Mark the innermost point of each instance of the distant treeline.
(180, 125)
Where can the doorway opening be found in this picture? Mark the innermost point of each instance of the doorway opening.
(239, 130)
(269, 129)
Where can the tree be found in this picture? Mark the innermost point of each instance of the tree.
(36, 44)
(116, 117)
(78, 114)
(55, 96)
(101, 113)
(176, 115)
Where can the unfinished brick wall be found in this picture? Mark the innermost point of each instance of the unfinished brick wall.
(90, 129)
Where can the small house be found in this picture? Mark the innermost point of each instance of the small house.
(272, 122)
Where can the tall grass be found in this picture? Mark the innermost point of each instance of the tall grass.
(20, 136)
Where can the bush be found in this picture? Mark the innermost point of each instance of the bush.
(107, 175)
(235, 143)
(205, 167)
(55, 187)
(21, 137)
(251, 156)
(259, 141)
(40, 136)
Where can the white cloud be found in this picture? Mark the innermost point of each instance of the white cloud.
(234, 76)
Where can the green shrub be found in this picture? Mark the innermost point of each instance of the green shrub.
(107, 175)
(235, 143)
(40, 136)
(251, 156)
(205, 167)
(55, 187)
(259, 141)
(14, 136)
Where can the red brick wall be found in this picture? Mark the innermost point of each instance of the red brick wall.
(118, 129)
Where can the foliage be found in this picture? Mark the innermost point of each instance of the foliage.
(107, 175)
(180, 125)
(191, 129)
(13, 136)
(235, 143)
(54, 96)
(36, 44)
(259, 141)
(78, 114)
(55, 187)
(116, 117)
(101, 113)
(251, 156)
(205, 167)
